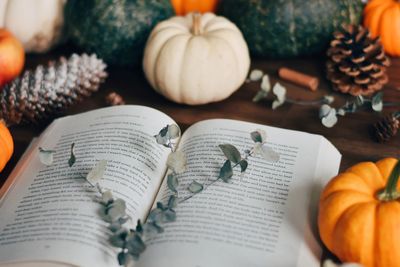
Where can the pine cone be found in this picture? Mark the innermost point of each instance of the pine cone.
(357, 63)
(387, 127)
(46, 91)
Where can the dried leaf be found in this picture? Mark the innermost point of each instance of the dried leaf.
(195, 187)
(243, 165)
(118, 238)
(359, 100)
(341, 112)
(177, 162)
(96, 174)
(256, 75)
(226, 171)
(169, 215)
(280, 92)
(172, 182)
(46, 156)
(231, 152)
(377, 102)
(173, 131)
(72, 157)
(328, 99)
(155, 215)
(260, 95)
(172, 202)
(265, 84)
(276, 104)
(259, 136)
(324, 110)
(135, 245)
(162, 137)
(269, 154)
(106, 197)
(116, 210)
(330, 119)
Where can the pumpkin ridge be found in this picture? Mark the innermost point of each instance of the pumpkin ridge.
(156, 82)
(343, 219)
(342, 178)
(373, 199)
(181, 94)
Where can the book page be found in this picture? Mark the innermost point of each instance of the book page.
(261, 218)
(49, 213)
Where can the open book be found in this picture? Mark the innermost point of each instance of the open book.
(262, 218)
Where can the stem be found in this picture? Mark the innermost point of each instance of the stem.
(196, 30)
(390, 192)
(192, 195)
(304, 102)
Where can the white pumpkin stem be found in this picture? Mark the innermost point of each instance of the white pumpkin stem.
(196, 30)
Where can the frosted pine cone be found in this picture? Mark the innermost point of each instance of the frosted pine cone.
(45, 91)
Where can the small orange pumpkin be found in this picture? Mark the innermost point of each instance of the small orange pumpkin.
(6, 145)
(359, 217)
(183, 7)
(382, 18)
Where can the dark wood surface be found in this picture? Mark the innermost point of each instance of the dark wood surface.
(351, 135)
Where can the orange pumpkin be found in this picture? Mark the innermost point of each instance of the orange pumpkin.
(382, 17)
(359, 218)
(182, 7)
(6, 145)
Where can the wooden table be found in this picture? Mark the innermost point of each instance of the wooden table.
(351, 135)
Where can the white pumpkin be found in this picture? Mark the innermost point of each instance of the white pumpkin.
(196, 59)
(36, 23)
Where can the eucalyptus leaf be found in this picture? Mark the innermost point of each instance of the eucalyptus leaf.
(243, 165)
(169, 215)
(195, 187)
(172, 182)
(160, 206)
(259, 136)
(341, 112)
(172, 202)
(135, 245)
(261, 94)
(352, 107)
(280, 92)
(139, 227)
(96, 174)
(276, 104)
(162, 136)
(106, 197)
(116, 210)
(256, 75)
(330, 119)
(177, 162)
(72, 158)
(328, 99)
(115, 226)
(269, 154)
(359, 100)
(324, 110)
(155, 215)
(265, 84)
(173, 131)
(122, 256)
(226, 171)
(46, 156)
(152, 227)
(377, 102)
(231, 152)
(118, 238)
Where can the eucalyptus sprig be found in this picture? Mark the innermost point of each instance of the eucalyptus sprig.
(132, 241)
(280, 98)
(327, 114)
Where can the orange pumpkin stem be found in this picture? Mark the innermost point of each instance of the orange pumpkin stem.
(390, 192)
(196, 30)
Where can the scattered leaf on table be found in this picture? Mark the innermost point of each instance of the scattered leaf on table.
(265, 84)
(256, 75)
(377, 102)
(330, 119)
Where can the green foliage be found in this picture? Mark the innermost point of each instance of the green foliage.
(231, 152)
(46, 156)
(72, 158)
(172, 182)
(195, 187)
(226, 171)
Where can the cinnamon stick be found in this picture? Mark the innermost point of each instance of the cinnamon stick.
(299, 78)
